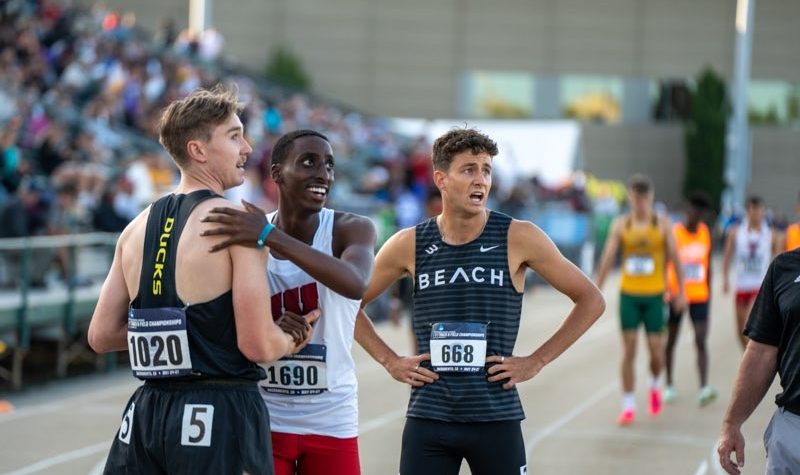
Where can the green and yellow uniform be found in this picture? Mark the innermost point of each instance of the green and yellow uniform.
(643, 276)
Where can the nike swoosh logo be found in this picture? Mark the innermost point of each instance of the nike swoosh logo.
(797, 279)
(487, 249)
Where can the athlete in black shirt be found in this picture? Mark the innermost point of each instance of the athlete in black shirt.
(774, 332)
(195, 323)
(468, 265)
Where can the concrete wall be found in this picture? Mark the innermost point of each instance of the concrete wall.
(406, 58)
(617, 152)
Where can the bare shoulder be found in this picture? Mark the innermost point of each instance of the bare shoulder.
(526, 230)
(134, 231)
(217, 202)
(353, 222)
(399, 251)
(404, 238)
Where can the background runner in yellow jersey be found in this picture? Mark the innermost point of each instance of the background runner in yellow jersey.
(646, 243)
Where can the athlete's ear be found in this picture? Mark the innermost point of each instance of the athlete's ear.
(439, 179)
(196, 151)
(275, 172)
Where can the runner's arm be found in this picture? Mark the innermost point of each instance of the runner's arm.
(394, 260)
(609, 253)
(347, 276)
(672, 254)
(727, 254)
(259, 339)
(405, 369)
(547, 261)
(543, 257)
(108, 330)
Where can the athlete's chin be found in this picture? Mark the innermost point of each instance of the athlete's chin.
(476, 207)
(237, 182)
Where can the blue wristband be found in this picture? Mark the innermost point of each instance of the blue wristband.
(262, 238)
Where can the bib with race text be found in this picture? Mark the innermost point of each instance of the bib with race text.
(301, 374)
(158, 344)
(640, 265)
(458, 347)
(694, 273)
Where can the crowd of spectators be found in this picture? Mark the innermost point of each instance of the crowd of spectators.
(81, 92)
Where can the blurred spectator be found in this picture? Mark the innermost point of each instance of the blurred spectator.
(105, 217)
(23, 215)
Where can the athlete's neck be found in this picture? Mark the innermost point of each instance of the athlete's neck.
(299, 225)
(642, 216)
(459, 229)
(190, 183)
(753, 225)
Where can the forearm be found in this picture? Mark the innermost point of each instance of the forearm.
(373, 344)
(756, 373)
(109, 339)
(336, 274)
(585, 312)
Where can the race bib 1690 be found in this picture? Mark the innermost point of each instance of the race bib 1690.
(301, 374)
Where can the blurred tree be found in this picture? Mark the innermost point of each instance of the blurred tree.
(793, 104)
(705, 131)
(285, 68)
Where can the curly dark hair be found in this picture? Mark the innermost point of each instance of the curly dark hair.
(457, 141)
(284, 144)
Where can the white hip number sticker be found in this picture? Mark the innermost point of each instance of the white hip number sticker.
(198, 420)
(126, 427)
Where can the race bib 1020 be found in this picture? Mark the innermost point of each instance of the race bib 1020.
(158, 344)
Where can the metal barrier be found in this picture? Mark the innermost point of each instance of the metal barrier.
(58, 311)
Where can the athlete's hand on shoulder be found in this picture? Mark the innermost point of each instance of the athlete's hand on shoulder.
(308, 327)
(731, 441)
(407, 369)
(241, 227)
(516, 369)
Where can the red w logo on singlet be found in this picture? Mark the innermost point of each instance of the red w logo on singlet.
(299, 300)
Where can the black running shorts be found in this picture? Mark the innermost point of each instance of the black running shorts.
(193, 427)
(437, 448)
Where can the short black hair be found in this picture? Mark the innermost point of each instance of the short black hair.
(753, 200)
(284, 144)
(699, 199)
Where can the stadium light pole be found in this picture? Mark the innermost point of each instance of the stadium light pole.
(200, 15)
(737, 167)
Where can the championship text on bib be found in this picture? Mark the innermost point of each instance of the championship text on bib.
(458, 347)
(158, 345)
(301, 374)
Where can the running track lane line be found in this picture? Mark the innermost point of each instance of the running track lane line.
(61, 458)
(569, 416)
